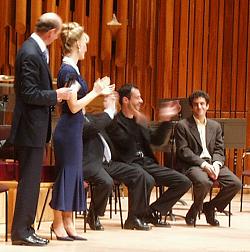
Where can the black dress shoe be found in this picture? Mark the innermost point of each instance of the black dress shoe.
(94, 221)
(29, 241)
(210, 214)
(190, 221)
(154, 219)
(136, 223)
(191, 217)
(40, 238)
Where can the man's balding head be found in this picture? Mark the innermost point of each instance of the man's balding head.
(47, 22)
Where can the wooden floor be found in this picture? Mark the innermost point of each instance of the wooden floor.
(177, 238)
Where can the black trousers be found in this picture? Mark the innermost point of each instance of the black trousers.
(202, 184)
(177, 183)
(138, 182)
(30, 165)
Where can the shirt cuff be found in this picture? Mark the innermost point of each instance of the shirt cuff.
(217, 163)
(111, 112)
(204, 164)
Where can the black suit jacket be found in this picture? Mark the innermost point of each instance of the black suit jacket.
(34, 96)
(189, 147)
(124, 139)
(93, 147)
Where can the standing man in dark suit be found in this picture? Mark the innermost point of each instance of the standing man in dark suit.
(31, 127)
(100, 170)
(132, 139)
(200, 156)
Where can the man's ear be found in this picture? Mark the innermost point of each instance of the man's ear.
(125, 100)
(207, 106)
(50, 33)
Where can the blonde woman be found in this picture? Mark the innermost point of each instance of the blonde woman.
(68, 192)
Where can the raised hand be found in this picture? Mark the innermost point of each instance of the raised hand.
(169, 110)
(107, 90)
(102, 86)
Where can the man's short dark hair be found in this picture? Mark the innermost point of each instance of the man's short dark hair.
(125, 91)
(197, 94)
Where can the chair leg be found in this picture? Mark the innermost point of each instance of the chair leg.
(85, 211)
(120, 205)
(6, 216)
(44, 205)
(241, 192)
(85, 221)
(116, 189)
(229, 215)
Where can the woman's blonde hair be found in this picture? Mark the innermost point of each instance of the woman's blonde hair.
(70, 34)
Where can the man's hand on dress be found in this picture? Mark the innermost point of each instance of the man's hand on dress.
(63, 94)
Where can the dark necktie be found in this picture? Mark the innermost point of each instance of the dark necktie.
(46, 55)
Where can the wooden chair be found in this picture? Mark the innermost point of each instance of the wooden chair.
(5, 189)
(245, 173)
(117, 195)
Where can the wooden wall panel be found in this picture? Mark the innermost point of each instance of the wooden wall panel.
(183, 53)
(205, 45)
(198, 42)
(218, 95)
(106, 35)
(227, 56)
(189, 87)
(176, 48)
(213, 52)
(235, 57)
(36, 11)
(21, 21)
(242, 57)
(168, 48)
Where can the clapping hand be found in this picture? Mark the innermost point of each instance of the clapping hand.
(102, 86)
(169, 110)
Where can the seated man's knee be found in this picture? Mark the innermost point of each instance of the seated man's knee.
(109, 183)
(236, 184)
(203, 185)
(186, 182)
(105, 183)
(150, 181)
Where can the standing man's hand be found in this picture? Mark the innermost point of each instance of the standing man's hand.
(63, 94)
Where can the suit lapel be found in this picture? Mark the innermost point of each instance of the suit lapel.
(209, 132)
(194, 131)
(42, 59)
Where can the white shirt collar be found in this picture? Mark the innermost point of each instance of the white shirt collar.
(39, 41)
(198, 122)
(69, 61)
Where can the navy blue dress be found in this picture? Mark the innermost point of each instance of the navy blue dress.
(68, 191)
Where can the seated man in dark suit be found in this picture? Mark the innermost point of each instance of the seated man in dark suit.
(100, 170)
(200, 156)
(132, 140)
